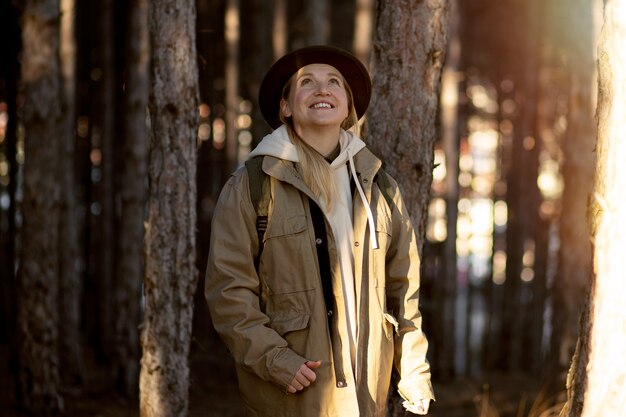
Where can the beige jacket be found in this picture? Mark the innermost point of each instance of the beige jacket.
(274, 321)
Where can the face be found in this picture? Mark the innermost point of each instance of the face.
(317, 98)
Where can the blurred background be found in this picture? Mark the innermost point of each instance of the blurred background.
(506, 258)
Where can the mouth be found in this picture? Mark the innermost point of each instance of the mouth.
(322, 105)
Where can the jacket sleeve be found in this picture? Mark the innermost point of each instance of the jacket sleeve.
(232, 289)
(402, 293)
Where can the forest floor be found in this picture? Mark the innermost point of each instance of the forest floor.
(214, 393)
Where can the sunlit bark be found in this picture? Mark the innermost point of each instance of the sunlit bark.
(607, 363)
(597, 386)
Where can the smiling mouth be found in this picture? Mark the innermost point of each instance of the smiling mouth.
(322, 105)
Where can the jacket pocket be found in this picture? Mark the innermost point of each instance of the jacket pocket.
(288, 261)
(294, 329)
(285, 324)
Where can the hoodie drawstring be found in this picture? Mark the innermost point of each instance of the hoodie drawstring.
(368, 210)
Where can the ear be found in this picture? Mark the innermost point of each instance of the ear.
(284, 108)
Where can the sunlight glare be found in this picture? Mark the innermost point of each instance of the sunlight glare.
(499, 267)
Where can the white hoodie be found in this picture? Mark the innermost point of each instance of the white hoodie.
(279, 145)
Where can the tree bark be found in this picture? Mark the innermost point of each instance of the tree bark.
(133, 195)
(38, 374)
(171, 276)
(407, 58)
(408, 52)
(606, 370)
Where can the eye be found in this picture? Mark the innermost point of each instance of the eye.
(334, 81)
(305, 81)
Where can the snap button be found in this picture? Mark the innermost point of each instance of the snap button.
(329, 312)
(364, 180)
(356, 243)
(318, 241)
(341, 384)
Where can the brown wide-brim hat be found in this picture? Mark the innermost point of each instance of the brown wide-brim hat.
(349, 66)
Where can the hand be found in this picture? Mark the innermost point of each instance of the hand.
(418, 407)
(304, 377)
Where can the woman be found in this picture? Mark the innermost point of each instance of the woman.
(319, 307)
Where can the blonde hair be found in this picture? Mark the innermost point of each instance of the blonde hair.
(315, 170)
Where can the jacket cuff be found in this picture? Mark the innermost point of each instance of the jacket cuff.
(416, 390)
(285, 366)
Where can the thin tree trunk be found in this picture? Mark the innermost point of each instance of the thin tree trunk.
(231, 72)
(606, 370)
(279, 31)
(38, 375)
(409, 48)
(363, 22)
(70, 286)
(256, 58)
(106, 221)
(450, 132)
(318, 17)
(342, 20)
(133, 195)
(171, 276)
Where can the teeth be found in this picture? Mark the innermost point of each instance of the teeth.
(322, 105)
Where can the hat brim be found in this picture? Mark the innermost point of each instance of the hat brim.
(350, 67)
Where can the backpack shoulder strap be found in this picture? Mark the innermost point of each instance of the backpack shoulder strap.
(382, 179)
(259, 184)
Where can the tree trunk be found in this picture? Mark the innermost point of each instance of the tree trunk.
(606, 370)
(231, 35)
(133, 199)
(171, 276)
(104, 142)
(596, 382)
(407, 59)
(342, 20)
(450, 133)
(363, 22)
(38, 375)
(70, 286)
(318, 17)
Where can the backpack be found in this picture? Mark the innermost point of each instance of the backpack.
(258, 182)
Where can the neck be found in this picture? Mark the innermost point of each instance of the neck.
(323, 139)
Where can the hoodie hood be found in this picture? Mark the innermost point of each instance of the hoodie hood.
(278, 145)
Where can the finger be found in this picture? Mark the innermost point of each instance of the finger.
(314, 364)
(309, 374)
(291, 389)
(296, 384)
(302, 379)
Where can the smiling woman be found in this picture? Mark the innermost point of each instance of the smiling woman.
(317, 301)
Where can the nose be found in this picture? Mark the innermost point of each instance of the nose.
(321, 90)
